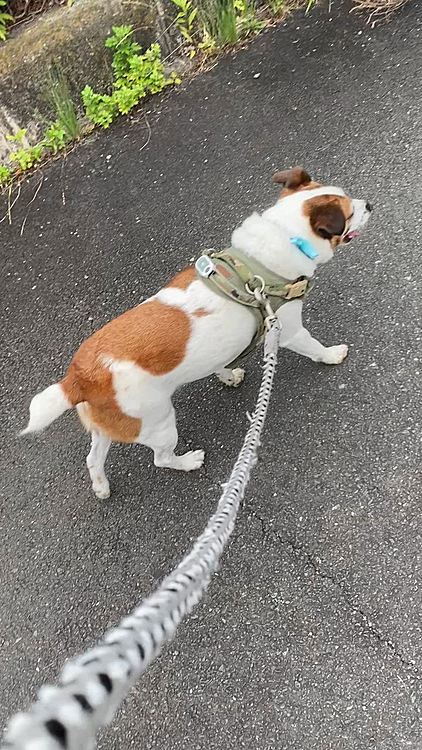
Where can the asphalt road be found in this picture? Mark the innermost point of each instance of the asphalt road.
(310, 637)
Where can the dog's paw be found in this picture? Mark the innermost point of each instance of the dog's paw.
(191, 460)
(232, 378)
(102, 490)
(335, 354)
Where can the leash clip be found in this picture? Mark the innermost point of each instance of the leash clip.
(256, 289)
(263, 300)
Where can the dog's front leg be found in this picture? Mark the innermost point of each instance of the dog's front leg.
(298, 339)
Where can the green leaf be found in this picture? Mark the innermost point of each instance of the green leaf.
(5, 174)
(55, 137)
(17, 137)
(192, 16)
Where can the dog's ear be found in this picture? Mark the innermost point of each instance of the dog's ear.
(327, 220)
(292, 178)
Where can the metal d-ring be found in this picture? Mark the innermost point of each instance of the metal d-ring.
(252, 291)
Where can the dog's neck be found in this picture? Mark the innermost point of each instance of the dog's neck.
(266, 237)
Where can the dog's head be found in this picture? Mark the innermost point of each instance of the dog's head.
(327, 211)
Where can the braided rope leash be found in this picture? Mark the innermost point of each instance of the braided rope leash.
(92, 686)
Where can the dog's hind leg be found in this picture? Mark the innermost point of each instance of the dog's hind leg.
(95, 461)
(161, 435)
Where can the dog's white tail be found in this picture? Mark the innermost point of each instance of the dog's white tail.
(45, 407)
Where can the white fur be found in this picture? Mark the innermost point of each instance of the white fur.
(265, 238)
(216, 339)
(45, 407)
(95, 461)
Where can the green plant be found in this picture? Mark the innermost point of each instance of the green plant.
(134, 76)
(248, 23)
(276, 7)
(5, 18)
(101, 109)
(27, 157)
(185, 18)
(55, 137)
(208, 45)
(61, 99)
(5, 175)
(145, 73)
(124, 48)
(310, 4)
(17, 137)
(219, 20)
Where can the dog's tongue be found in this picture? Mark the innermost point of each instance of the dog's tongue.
(352, 235)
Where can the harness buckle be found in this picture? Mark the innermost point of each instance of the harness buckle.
(296, 289)
(205, 266)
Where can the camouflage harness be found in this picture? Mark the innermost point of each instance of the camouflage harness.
(236, 276)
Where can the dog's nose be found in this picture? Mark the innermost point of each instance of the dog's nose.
(368, 206)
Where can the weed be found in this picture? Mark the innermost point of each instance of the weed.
(185, 18)
(5, 18)
(135, 75)
(219, 20)
(27, 157)
(124, 48)
(227, 21)
(18, 137)
(62, 102)
(5, 175)
(208, 44)
(248, 23)
(101, 109)
(55, 137)
(24, 156)
(276, 7)
(145, 73)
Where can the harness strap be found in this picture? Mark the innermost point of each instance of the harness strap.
(232, 274)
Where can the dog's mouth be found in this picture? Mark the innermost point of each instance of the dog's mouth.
(350, 236)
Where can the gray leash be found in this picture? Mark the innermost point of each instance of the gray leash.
(92, 686)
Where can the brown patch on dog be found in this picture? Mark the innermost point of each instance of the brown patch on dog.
(293, 180)
(200, 313)
(183, 279)
(153, 335)
(118, 426)
(328, 215)
(110, 419)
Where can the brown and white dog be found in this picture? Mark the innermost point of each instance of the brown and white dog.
(123, 377)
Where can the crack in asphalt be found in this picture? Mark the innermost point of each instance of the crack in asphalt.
(268, 530)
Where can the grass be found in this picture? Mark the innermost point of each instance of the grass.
(219, 20)
(62, 103)
(276, 7)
